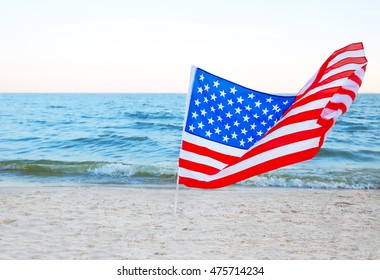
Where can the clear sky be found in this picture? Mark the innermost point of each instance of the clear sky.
(150, 45)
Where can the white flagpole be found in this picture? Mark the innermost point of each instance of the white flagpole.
(176, 199)
(192, 75)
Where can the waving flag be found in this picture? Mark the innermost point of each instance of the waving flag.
(232, 133)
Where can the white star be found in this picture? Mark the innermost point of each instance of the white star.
(217, 130)
(194, 115)
(191, 128)
(240, 100)
(222, 93)
(265, 111)
(233, 90)
(246, 118)
(220, 106)
(203, 112)
(256, 116)
(259, 133)
(207, 87)
(200, 90)
(275, 107)
(220, 118)
(201, 77)
(234, 135)
(237, 110)
(250, 139)
(228, 115)
(227, 126)
(205, 100)
(269, 100)
(216, 84)
(212, 109)
(251, 96)
(210, 121)
(257, 103)
(236, 123)
(244, 131)
(270, 117)
(208, 133)
(286, 102)
(213, 96)
(230, 102)
(248, 108)
(197, 102)
(263, 123)
(253, 126)
(200, 125)
(242, 142)
(225, 138)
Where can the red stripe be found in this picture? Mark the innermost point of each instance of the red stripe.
(348, 92)
(340, 75)
(348, 60)
(337, 106)
(356, 79)
(187, 146)
(351, 47)
(202, 168)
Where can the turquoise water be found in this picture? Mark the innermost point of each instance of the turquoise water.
(134, 140)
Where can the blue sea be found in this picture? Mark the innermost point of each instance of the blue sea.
(133, 140)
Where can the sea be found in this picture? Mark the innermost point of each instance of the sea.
(133, 140)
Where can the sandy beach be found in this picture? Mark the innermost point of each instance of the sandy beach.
(231, 223)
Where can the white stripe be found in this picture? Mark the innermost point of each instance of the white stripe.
(351, 85)
(212, 145)
(328, 114)
(336, 83)
(194, 157)
(343, 68)
(357, 53)
(316, 104)
(360, 73)
(186, 173)
(287, 130)
(342, 98)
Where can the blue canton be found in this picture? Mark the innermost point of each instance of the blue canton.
(230, 114)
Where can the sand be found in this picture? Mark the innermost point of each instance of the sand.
(230, 223)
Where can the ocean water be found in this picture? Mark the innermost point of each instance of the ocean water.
(134, 140)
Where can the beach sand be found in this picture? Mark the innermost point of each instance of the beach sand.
(230, 223)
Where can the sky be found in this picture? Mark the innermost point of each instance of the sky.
(148, 46)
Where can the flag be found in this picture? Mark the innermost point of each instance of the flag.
(232, 133)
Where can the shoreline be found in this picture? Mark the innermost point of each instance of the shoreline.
(229, 223)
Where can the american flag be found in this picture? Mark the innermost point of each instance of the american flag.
(232, 133)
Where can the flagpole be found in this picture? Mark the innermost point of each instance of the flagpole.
(192, 76)
(175, 200)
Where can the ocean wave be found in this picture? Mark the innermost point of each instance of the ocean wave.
(159, 174)
(318, 178)
(60, 168)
